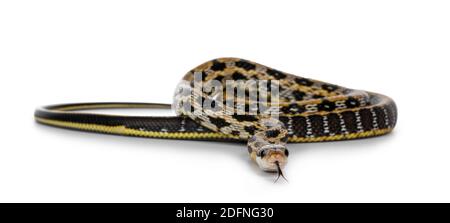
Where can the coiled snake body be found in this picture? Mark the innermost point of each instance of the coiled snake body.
(307, 111)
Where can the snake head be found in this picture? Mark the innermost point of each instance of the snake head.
(268, 147)
(272, 157)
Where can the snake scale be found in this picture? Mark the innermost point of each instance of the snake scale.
(306, 111)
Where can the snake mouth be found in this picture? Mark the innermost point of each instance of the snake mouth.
(273, 162)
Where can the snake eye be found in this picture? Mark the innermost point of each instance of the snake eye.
(286, 152)
(262, 153)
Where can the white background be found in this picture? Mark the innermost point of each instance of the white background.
(78, 51)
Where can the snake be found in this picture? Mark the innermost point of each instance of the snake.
(301, 110)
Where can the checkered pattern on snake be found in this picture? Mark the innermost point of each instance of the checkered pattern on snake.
(308, 109)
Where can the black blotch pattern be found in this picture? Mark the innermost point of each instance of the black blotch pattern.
(234, 132)
(245, 65)
(298, 95)
(352, 102)
(276, 74)
(350, 121)
(238, 76)
(219, 78)
(218, 66)
(285, 121)
(366, 119)
(317, 125)
(250, 129)
(285, 110)
(380, 117)
(303, 81)
(299, 126)
(334, 123)
(316, 96)
(326, 106)
(242, 118)
(219, 122)
(272, 133)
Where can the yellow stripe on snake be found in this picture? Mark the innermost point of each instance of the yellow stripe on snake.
(239, 100)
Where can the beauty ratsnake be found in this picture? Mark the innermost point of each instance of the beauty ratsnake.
(306, 110)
